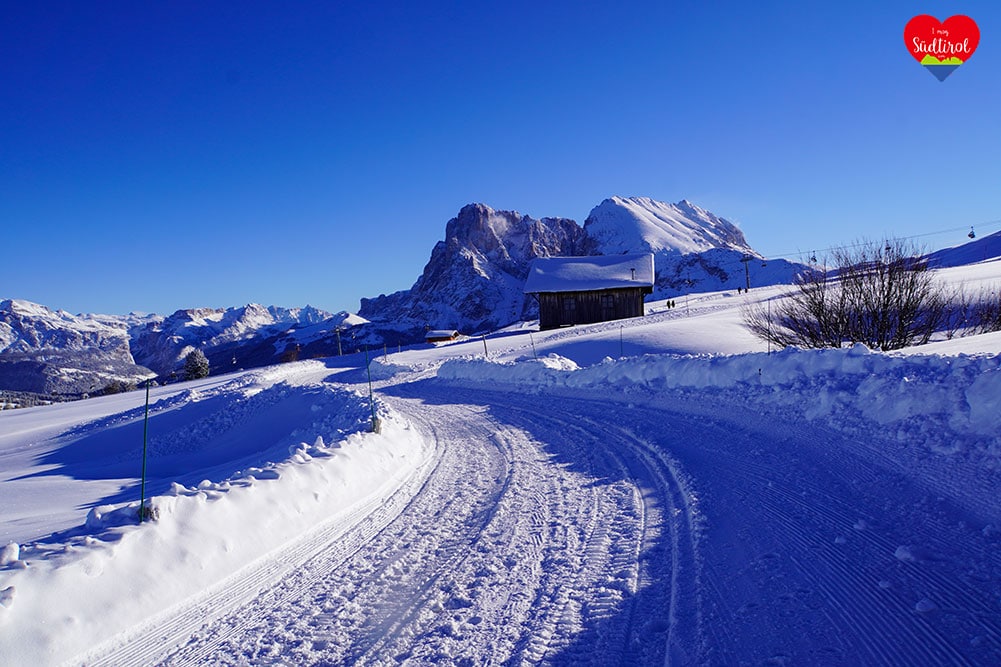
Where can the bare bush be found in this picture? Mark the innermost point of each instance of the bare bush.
(975, 314)
(879, 294)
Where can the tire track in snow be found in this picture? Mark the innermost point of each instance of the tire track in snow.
(668, 602)
(152, 640)
(521, 543)
(532, 568)
(449, 555)
(338, 611)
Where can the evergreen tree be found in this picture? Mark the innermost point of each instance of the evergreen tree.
(196, 365)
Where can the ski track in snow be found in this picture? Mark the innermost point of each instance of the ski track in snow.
(563, 528)
(536, 539)
(663, 534)
(307, 559)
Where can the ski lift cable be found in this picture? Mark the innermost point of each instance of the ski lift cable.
(988, 225)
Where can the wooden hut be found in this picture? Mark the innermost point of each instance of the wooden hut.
(441, 335)
(583, 290)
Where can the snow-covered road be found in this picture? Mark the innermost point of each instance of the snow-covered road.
(532, 540)
(565, 528)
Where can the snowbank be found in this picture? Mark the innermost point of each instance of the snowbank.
(60, 600)
(944, 403)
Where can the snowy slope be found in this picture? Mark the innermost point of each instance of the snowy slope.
(649, 491)
(224, 456)
(694, 250)
(978, 250)
(621, 225)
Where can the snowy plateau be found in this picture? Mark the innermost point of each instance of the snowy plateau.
(657, 490)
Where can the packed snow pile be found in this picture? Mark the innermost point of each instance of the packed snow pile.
(291, 457)
(946, 404)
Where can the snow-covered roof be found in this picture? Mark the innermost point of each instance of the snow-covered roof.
(581, 274)
(442, 333)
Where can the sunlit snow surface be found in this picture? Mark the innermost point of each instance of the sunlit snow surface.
(664, 489)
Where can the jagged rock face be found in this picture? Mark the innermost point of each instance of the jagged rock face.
(47, 351)
(474, 278)
(28, 328)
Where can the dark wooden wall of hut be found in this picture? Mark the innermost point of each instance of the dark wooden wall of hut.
(560, 309)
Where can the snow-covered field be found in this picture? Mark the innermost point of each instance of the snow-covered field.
(650, 491)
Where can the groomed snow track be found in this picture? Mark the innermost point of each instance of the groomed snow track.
(526, 530)
(565, 530)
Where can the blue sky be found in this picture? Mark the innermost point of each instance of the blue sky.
(156, 156)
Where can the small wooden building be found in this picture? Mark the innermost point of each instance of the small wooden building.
(584, 290)
(441, 335)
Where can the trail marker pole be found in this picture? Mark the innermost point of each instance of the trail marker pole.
(620, 343)
(486, 355)
(371, 400)
(142, 485)
(530, 338)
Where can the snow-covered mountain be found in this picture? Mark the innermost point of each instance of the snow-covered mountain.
(694, 250)
(474, 279)
(163, 342)
(51, 351)
(622, 225)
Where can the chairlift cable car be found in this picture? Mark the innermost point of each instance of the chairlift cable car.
(972, 234)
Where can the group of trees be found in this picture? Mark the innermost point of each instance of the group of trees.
(883, 295)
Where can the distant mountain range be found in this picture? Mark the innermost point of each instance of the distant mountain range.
(53, 352)
(473, 282)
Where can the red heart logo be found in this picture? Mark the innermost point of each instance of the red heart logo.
(941, 46)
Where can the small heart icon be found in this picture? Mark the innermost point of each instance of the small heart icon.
(941, 46)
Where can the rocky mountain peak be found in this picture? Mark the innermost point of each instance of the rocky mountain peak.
(473, 278)
(640, 224)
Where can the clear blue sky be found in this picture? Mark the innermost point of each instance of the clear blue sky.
(156, 156)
